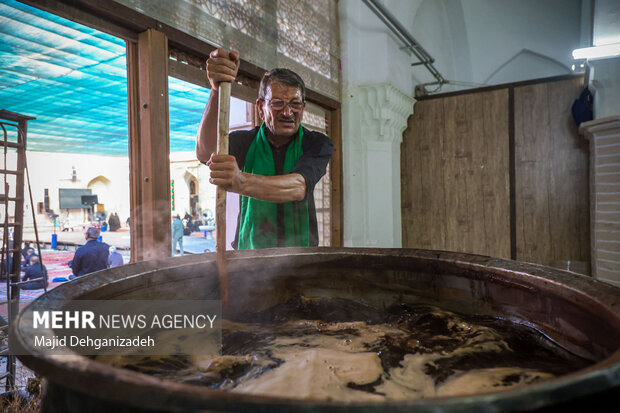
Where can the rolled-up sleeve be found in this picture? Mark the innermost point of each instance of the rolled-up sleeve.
(317, 151)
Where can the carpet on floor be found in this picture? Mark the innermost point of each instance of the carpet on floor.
(57, 266)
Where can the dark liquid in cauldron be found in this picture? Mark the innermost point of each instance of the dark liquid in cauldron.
(337, 349)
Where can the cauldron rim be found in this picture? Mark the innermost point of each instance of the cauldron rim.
(176, 393)
(83, 369)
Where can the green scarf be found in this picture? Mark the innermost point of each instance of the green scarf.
(259, 219)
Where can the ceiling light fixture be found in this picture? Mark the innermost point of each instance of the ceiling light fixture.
(597, 52)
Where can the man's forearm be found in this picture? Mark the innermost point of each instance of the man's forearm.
(206, 138)
(280, 188)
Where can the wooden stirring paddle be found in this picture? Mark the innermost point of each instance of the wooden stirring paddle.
(220, 199)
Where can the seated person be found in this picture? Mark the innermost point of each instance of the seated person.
(115, 259)
(6, 266)
(27, 250)
(27, 253)
(36, 273)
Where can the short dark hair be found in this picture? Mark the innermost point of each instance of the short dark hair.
(284, 77)
(93, 232)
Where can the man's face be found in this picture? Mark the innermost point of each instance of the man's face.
(281, 121)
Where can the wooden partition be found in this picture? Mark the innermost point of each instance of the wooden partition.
(498, 171)
(551, 175)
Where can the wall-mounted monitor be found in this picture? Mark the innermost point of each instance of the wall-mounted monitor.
(71, 198)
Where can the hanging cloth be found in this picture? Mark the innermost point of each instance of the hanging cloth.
(259, 219)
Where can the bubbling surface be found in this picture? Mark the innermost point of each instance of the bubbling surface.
(341, 350)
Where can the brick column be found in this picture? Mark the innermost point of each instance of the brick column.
(604, 137)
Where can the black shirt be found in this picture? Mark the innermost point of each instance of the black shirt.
(317, 150)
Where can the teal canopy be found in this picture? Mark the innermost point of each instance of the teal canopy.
(73, 79)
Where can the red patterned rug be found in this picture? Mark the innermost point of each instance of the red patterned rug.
(56, 264)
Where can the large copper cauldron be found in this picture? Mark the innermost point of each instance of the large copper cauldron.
(577, 312)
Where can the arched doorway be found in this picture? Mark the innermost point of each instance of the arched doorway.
(100, 186)
(194, 201)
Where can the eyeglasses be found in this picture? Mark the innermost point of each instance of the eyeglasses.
(278, 104)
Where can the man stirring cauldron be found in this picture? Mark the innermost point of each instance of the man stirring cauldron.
(273, 167)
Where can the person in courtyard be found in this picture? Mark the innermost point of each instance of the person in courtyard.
(36, 274)
(114, 222)
(177, 235)
(114, 259)
(27, 253)
(90, 257)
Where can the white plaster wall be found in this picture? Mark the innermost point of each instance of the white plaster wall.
(369, 52)
(182, 163)
(487, 42)
(605, 81)
(373, 64)
(605, 73)
(498, 30)
(433, 29)
(606, 28)
(53, 171)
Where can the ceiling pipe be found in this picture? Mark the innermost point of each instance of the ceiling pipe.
(410, 43)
